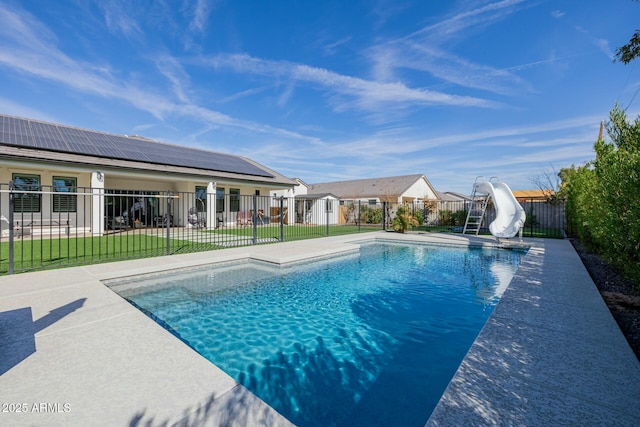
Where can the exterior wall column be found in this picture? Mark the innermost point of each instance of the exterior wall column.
(212, 220)
(291, 210)
(97, 203)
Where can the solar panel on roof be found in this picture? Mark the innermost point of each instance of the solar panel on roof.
(16, 131)
(48, 136)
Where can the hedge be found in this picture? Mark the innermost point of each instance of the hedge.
(603, 196)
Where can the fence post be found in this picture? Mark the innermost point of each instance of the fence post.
(168, 221)
(384, 216)
(358, 217)
(254, 219)
(281, 218)
(326, 210)
(11, 242)
(531, 219)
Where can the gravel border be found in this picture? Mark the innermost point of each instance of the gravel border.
(621, 294)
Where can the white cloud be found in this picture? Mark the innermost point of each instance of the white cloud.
(173, 71)
(332, 47)
(118, 20)
(429, 50)
(200, 12)
(365, 94)
(27, 46)
(461, 23)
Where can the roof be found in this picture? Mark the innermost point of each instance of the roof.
(318, 196)
(393, 186)
(533, 194)
(47, 141)
(450, 196)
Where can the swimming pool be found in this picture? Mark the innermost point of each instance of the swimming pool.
(371, 338)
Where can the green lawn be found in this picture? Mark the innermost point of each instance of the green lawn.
(67, 251)
(35, 254)
(50, 253)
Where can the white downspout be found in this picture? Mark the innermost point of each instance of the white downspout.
(97, 203)
(212, 221)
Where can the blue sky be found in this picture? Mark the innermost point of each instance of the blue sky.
(332, 90)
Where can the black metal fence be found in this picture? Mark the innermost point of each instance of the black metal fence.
(49, 227)
(544, 219)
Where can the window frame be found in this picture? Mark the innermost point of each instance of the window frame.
(199, 193)
(220, 200)
(35, 200)
(71, 199)
(329, 205)
(234, 200)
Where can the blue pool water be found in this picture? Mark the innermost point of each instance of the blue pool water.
(367, 339)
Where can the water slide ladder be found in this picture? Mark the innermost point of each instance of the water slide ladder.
(477, 209)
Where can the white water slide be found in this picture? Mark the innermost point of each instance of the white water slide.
(510, 216)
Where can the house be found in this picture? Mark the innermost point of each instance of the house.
(397, 189)
(533, 195)
(453, 201)
(43, 156)
(320, 208)
(413, 189)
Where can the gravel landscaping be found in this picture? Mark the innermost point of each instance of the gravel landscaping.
(621, 294)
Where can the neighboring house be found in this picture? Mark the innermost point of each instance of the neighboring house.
(533, 195)
(299, 188)
(321, 208)
(413, 189)
(316, 209)
(396, 189)
(59, 158)
(453, 201)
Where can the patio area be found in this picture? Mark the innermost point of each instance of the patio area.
(75, 353)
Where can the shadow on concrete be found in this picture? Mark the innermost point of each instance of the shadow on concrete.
(17, 332)
(237, 407)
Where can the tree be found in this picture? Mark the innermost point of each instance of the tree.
(631, 50)
(549, 183)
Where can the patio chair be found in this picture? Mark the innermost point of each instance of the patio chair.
(244, 218)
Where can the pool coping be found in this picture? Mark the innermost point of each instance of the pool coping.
(73, 351)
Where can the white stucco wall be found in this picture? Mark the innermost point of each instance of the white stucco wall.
(90, 215)
(420, 190)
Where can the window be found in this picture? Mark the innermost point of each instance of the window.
(125, 203)
(329, 204)
(257, 192)
(219, 200)
(64, 202)
(25, 202)
(373, 202)
(234, 199)
(201, 199)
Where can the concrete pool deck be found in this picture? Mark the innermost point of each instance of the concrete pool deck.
(72, 352)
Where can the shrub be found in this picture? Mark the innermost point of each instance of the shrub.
(369, 215)
(403, 220)
(419, 216)
(603, 207)
(445, 217)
